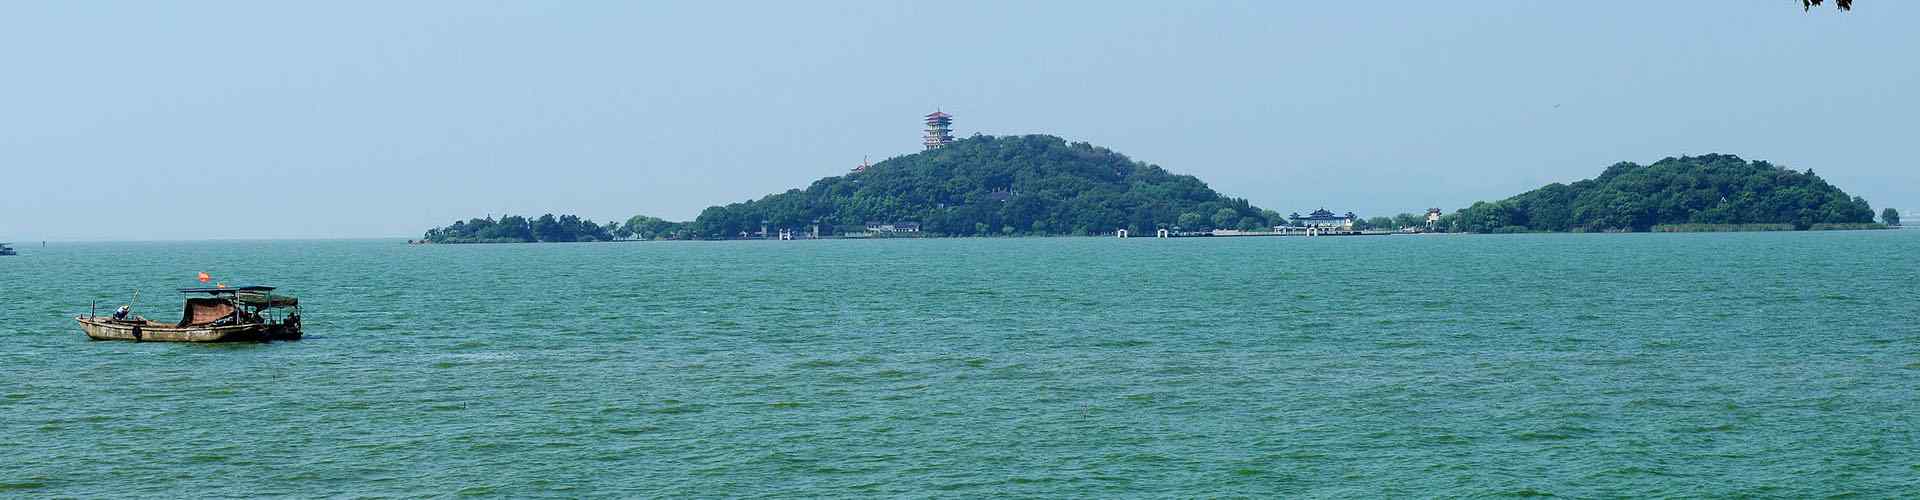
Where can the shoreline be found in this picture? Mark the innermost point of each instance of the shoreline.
(1881, 227)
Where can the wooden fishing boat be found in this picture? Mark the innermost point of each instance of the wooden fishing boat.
(236, 314)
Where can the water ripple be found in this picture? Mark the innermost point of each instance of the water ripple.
(1772, 365)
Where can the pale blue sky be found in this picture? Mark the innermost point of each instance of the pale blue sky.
(188, 120)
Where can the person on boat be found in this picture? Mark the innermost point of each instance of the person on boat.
(121, 313)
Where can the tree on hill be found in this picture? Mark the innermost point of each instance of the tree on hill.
(1709, 189)
(986, 185)
(653, 228)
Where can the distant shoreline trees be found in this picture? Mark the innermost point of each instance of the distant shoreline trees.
(553, 229)
(1044, 186)
(517, 229)
(1033, 185)
(653, 228)
(1714, 189)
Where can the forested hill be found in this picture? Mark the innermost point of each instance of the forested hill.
(987, 185)
(1713, 189)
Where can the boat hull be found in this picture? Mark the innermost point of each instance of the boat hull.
(102, 329)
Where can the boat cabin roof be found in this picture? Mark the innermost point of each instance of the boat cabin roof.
(251, 295)
(230, 289)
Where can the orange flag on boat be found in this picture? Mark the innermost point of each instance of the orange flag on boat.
(204, 278)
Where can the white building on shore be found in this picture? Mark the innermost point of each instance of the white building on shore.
(1324, 219)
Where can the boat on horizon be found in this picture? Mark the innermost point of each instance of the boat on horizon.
(236, 314)
(7, 250)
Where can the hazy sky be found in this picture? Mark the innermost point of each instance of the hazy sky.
(188, 120)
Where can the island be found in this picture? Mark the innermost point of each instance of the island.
(1714, 192)
(1031, 185)
(518, 229)
(1042, 185)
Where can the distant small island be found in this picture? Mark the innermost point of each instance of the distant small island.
(1715, 192)
(517, 229)
(551, 229)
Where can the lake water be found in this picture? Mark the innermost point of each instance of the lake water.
(1766, 364)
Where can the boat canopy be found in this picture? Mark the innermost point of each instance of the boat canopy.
(250, 295)
(217, 290)
(202, 312)
(260, 299)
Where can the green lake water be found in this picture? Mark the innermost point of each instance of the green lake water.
(1755, 364)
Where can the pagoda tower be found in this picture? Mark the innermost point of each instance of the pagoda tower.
(939, 130)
